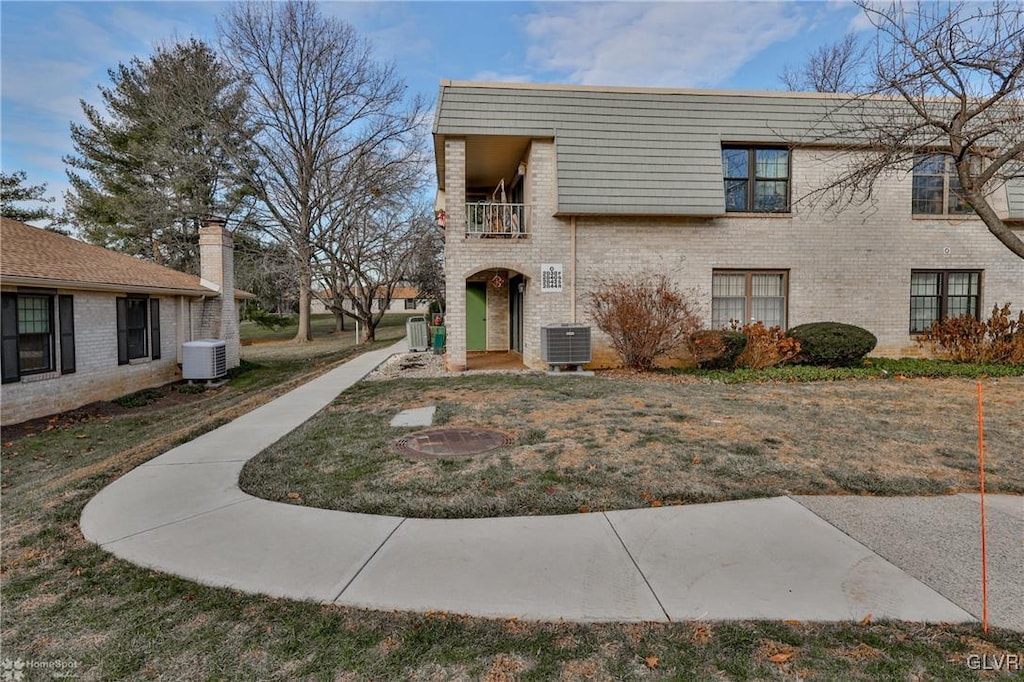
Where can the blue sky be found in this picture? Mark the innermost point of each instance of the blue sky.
(54, 54)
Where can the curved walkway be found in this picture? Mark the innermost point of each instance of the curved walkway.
(805, 558)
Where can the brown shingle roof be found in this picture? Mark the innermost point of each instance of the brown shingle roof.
(33, 256)
(400, 293)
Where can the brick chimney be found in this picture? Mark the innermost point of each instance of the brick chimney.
(217, 271)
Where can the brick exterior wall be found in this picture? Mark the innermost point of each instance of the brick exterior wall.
(97, 375)
(850, 266)
(217, 271)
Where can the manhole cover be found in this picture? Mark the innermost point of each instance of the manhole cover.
(455, 442)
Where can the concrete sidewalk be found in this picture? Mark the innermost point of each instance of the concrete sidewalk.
(807, 558)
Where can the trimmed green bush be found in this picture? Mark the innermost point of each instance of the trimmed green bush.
(833, 344)
(716, 348)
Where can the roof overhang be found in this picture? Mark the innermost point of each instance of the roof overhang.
(46, 283)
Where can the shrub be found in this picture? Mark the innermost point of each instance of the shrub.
(766, 347)
(645, 317)
(267, 319)
(999, 340)
(716, 348)
(833, 344)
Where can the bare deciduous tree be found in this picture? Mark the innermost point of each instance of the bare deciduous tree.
(322, 105)
(836, 67)
(945, 79)
(426, 271)
(376, 227)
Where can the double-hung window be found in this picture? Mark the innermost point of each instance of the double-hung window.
(756, 179)
(138, 329)
(31, 327)
(940, 294)
(748, 296)
(937, 189)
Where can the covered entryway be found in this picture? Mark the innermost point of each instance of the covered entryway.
(495, 308)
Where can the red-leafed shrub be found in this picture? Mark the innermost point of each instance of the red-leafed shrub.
(716, 348)
(766, 346)
(998, 340)
(645, 317)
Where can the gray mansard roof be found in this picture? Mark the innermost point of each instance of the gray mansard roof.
(637, 151)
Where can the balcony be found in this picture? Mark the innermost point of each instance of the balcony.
(493, 220)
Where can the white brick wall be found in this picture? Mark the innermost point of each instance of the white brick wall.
(97, 375)
(851, 267)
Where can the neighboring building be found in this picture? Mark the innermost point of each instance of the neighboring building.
(81, 323)
(404, 300)
(546, 190)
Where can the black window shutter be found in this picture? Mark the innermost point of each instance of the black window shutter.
(122, 331)
(154, 327)
(9, 330)
(66, 308)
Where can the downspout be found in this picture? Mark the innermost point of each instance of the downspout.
(572, 267)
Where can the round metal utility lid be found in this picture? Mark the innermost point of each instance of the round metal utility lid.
(450, 443)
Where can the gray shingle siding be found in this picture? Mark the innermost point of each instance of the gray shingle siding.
(631, 153)
(1015, 198)
(635, 152)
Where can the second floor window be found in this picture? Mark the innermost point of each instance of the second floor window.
(937, 189)
(756, 179)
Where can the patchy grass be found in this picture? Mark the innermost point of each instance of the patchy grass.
(600, 444)
(66, 600)
(323, 327)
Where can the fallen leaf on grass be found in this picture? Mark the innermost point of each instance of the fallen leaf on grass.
(583, 510)
(791, 622)
(81, 435)
(696, 460)
(866, 620)
(701, 634)
(294, 496)
(652, 662)
(655, 503)
(780, 657)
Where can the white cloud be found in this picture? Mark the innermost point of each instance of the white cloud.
(500, 77)
(657, 44)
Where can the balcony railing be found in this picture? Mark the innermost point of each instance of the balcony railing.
(491, 219)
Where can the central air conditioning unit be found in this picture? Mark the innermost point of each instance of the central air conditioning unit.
(565, 344)
(204, 359)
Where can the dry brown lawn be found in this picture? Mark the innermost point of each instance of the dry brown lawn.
(627, 441)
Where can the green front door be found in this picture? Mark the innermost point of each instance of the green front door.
(476, 315)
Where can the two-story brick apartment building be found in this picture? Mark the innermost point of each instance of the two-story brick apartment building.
(548, 189)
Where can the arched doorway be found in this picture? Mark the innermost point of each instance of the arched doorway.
(494, 322)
